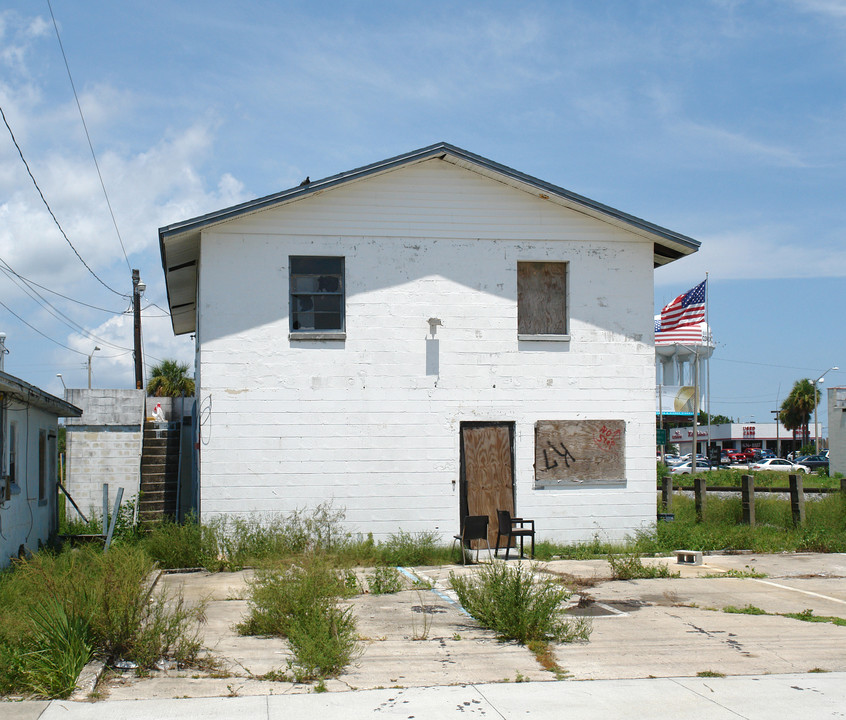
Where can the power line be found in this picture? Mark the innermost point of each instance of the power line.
(49, 209)
(79, 352)
(66, 297)
(61, 317)
(87, 136)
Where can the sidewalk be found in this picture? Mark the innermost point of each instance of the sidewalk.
(764, 696)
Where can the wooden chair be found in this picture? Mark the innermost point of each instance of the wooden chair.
(509, 527)
(475, 527)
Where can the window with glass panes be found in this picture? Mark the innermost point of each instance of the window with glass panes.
(317, 293)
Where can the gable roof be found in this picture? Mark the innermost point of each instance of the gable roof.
(179, 243)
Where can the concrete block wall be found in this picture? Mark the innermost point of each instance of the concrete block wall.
(103, 446)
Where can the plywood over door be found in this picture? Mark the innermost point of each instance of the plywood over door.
(488, 471)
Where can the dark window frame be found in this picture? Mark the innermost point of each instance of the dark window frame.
(311, 295)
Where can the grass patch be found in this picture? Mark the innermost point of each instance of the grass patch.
(747, 572)
(517, 606)
(302, 604)
(748, 610)
(385, 581)
(807, 615)
(710, 674)
(629, 566)
(57, 610)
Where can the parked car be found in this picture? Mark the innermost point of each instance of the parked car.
(686, 469)
(670, 459)
(737, 456)
(760, 454)
(778, 464)
(813, 461)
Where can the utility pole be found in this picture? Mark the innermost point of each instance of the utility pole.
(138, 287)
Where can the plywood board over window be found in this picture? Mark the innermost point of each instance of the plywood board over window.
(575, 452)
(542, 298)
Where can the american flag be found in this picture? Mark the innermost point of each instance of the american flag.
(687, 309)
(693, 334)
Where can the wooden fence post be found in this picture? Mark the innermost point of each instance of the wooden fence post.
(667, 493)
(699, 488)
(797, 499)
(747, 499)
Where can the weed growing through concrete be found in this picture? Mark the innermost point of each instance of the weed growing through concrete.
(747, 572)
(421, 633)
(747, 610)
(629, 566)
(518, 606)
(79, 603)
(302, 604)
(710, 674)
(385, 580)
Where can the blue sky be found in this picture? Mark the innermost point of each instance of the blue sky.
(724, 120)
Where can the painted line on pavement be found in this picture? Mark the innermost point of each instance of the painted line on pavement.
(804, 592)
(437, 592)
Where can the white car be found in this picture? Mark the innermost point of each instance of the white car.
(779, 464)
(685, 468)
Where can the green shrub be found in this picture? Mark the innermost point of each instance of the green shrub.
(517, 606)
(385, 580)
(302, 603)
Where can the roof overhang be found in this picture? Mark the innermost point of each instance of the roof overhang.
(16, 389)
(179, 243)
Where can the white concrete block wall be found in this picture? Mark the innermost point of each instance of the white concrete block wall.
(290, 423)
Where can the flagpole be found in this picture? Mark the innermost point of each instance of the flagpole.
(708, 361)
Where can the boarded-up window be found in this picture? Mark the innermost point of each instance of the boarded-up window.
(580, 452)
(542, 298)
(317, 293)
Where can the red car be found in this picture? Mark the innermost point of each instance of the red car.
(738, 456)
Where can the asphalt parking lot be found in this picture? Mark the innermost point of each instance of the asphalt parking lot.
(658, 628)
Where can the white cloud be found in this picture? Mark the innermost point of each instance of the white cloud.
(762, 253)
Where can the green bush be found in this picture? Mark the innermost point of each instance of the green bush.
(517, 606)
(385, 580)
(302, 604)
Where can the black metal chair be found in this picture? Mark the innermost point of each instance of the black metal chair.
(475, 527)
(510, 527)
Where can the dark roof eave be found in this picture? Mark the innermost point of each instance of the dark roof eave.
(25, 392)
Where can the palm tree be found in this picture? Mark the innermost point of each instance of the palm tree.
(170, 379)
(798, 406)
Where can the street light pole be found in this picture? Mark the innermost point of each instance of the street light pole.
(89, 365)
(816, 428)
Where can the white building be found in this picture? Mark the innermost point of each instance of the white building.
(29, 431)
(740, 436)
(427, 337)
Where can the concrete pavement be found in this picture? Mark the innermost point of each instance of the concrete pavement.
(423, 656)
(763, 696)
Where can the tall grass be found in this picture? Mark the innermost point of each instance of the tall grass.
(57, 610)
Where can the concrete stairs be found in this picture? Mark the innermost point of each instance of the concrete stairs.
(159, 471)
